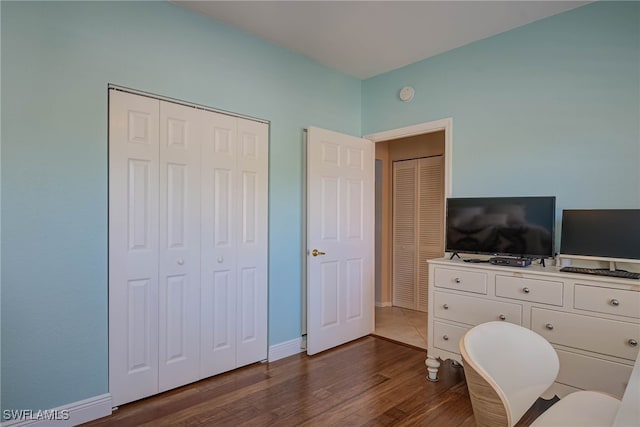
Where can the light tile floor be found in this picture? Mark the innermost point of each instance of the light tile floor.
(403, 325)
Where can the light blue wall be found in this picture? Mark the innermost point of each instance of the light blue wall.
(552, 108)
(57, 59)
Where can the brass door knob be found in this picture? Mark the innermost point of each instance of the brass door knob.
(316, 252)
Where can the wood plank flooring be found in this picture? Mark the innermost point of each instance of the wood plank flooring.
(369, 382)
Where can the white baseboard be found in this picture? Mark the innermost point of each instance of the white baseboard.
(286, 349)
(68, 415)
(384, 304)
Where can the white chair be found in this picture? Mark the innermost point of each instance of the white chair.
(508, 367)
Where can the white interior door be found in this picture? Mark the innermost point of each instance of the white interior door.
(340, 239)
(133, 246)
(179, 269)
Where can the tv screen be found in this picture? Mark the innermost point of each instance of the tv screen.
(512, 226)
(602, 233)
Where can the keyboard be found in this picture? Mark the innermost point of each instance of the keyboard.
(602, 272)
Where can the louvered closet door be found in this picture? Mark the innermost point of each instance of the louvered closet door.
(179, 269)
(404, 233)
(418, 205)
(133, 247)
(430, 221)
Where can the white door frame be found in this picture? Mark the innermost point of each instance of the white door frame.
(445, 125)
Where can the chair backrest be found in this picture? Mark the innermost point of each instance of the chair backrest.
(507, 367)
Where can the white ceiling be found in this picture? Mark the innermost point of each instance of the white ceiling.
(367, 38)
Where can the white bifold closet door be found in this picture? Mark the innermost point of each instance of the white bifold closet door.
(187, 244)
(234, 244)
(179, 257)
(418, 207)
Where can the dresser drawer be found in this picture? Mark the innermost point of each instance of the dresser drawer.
(472, 310)
(534, 290)
(588, 333)
(590, 373)
(461, 280)
(606, 300)
(447, 337)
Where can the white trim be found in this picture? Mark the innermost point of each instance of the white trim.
(428, 127)
(79, 412)
(303, 278)
(384, 304)
(112, 86)
(286, 349)
(419, 129)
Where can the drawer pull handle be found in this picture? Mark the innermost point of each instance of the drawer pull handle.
(445, 306)
(632, 342)
(445, 337)
(549, 326)
(502, 317)
(526, 290)
(457, 280)
(614, 302)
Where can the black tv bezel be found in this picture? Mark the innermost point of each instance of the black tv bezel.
(573, 254)
(552, 199)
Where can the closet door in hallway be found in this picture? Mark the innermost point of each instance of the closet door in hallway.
(418, 212)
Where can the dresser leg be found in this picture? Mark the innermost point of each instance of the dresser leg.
(432, 368)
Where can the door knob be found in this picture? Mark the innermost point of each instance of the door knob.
(316, 252)
(180, 261)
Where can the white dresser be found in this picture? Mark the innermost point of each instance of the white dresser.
(592, 321)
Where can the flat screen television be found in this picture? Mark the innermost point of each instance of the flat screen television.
(505, 226)
(601, 233)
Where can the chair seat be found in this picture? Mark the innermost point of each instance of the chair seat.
(581, 409)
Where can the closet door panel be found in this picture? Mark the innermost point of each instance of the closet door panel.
(404, 234)
(219, 235)
(430, 221)
(133, 246)
(252, 211)
(179, 268)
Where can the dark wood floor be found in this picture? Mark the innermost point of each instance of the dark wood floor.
(369, 382)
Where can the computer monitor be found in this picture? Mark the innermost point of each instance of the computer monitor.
(601, 233)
